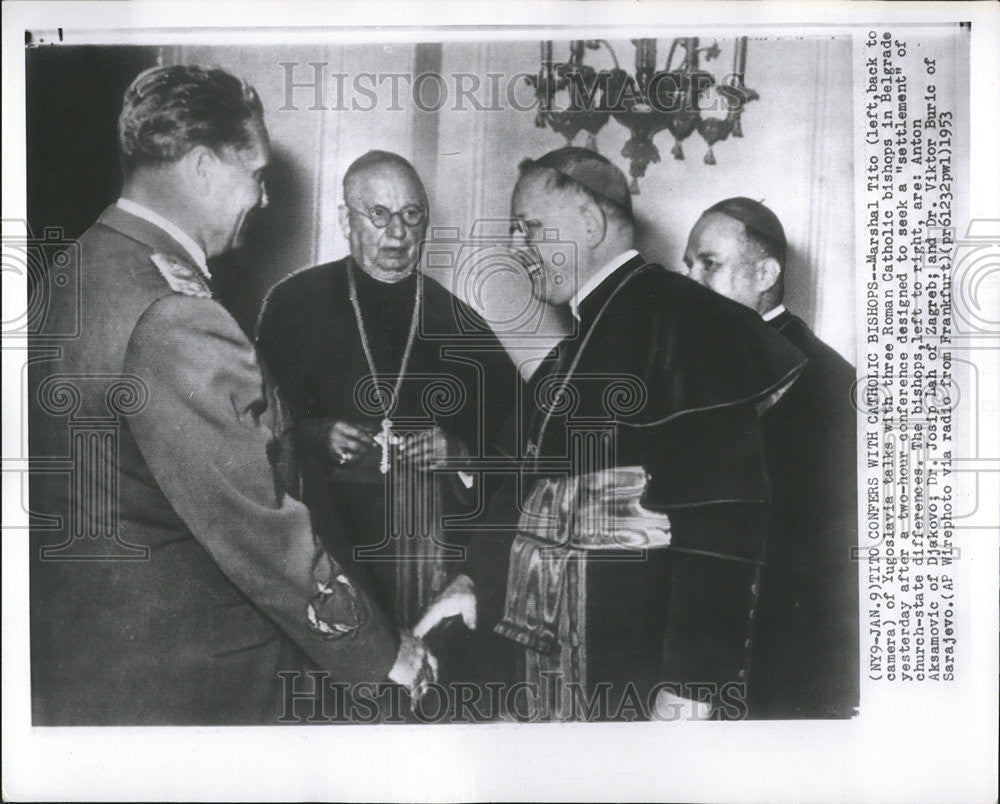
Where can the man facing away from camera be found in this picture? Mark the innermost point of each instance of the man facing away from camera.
(632, 577)
(212, 583)
(392, 385)
(806, 638)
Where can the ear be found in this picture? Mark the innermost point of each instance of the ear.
(344, 216)
(595, 223)
(767, 271)
(199, 167)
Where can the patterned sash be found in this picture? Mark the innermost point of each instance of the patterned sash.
(563, 520)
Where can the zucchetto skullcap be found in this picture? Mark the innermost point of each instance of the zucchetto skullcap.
(757, 218)
(590, 170)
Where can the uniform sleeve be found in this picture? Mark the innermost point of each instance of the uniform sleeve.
(203, 437)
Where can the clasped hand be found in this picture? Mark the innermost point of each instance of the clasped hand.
(458, 598)
(415, 668)
(347, 442)
(426, 450)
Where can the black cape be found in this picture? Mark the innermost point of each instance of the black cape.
(806, 663)
(679, 374)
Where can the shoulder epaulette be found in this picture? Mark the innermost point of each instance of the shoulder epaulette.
(182, 277)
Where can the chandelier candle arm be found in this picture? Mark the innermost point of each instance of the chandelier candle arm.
(645, 102)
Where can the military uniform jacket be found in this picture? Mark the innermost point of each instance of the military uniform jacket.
(171, 581)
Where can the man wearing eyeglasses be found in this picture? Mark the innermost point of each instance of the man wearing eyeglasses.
(388, 380)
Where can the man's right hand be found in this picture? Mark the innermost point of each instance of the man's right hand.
(347, 442)
(415, 665)
(459, 597)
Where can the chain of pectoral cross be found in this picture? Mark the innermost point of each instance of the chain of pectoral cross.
(534, 446)
(385, 439)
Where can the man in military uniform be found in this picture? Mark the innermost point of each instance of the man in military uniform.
(187, 581)
(806, 639)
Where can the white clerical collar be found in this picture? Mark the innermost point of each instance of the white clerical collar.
(770, 314)
(196, 252)
(591, 284)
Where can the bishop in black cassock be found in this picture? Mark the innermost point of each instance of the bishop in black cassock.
(367, 338)
(806, 638)
(642, 507)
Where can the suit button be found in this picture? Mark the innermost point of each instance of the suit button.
(754, 588)
(752, 613)
(574, 639)
(742, 675)
(746, 644)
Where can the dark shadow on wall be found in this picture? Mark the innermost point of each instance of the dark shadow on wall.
(801, 285)
(278, 241)
(73, 96)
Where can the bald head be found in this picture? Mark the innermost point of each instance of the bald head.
(381, 161)
(384, 215)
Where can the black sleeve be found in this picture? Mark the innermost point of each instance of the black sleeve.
(279, 347)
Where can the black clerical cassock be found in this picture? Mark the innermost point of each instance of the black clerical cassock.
(455, 376)
(644, 502)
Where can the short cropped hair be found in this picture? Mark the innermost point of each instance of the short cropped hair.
(167, 111)
(375, 158)
(586, 172)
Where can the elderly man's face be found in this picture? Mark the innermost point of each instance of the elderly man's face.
(378, 191)
(719, 257)
(533, 210)
(237, 190)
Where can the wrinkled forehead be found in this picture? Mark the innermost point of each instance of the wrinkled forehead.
(389, 185)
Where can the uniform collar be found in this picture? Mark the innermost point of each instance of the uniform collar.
(596, 279)
(194, 251)
(774, 312)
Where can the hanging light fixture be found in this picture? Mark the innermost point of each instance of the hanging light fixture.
(645, 103)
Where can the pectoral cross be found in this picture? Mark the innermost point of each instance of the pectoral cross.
(385, 439)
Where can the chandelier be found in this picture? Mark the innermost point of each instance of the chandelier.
(673, 98)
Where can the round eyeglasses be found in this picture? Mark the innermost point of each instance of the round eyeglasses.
(411, 215)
